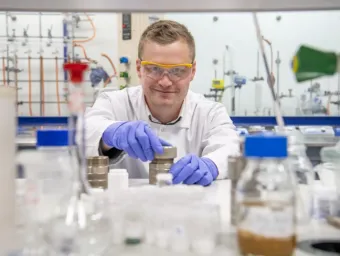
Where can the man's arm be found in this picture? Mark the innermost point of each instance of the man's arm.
(220, 140)
(97, 119)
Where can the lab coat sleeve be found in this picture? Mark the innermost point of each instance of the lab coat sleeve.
(220, 139)
(97, 119)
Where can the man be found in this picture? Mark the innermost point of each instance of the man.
(140, 120)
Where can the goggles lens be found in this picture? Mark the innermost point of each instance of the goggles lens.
(175, 73)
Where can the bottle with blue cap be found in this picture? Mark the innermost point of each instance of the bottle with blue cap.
(265, 198)
(48, 172)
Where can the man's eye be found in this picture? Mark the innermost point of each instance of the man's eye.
(155, 69)
(177, 71)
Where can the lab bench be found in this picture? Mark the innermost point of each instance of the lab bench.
(219, 193)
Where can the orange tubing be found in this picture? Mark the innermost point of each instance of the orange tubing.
(42, 85)
(93, 35)
(84, 53)
(76, 42)
(3, 70)
(29, 87)
(113, 67)
(83, 49)
(57, 84)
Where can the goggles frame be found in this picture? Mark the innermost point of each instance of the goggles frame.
(167, 66)
(144, 62)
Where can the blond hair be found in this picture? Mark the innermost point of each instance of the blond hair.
(166, 32)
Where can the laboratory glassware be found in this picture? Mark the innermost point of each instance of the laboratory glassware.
(326, 200)
(48, 178)
(81, 225)
(266, 199)
(299, 164)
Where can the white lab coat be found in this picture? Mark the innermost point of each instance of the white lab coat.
(204, 128)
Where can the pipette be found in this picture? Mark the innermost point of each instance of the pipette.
(271, 79)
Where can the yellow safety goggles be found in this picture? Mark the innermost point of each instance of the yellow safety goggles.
(175, 72)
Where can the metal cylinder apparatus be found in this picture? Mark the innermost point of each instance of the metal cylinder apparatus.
(97, 171)
(162, 163)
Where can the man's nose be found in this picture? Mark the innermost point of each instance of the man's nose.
(165, 80)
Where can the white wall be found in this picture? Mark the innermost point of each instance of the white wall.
(319, 29)
(104, 42)
(235, 30)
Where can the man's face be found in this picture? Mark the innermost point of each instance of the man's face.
(165, 85)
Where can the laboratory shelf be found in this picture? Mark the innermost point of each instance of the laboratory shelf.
(289, 120)
(42, 121)
(238, 120)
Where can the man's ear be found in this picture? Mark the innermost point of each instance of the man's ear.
(193, 73)
(138, 68)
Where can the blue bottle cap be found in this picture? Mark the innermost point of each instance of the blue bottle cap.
(266, 146)
(52, 138)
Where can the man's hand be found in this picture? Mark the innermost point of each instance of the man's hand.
(135, 138)
(194, 170)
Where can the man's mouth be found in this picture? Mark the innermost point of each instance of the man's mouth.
(162, 91)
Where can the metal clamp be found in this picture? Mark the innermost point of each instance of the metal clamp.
(49, 36)
(12, 38)
(25, 34)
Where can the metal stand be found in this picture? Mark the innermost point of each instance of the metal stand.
(258, 89)
(278, 62)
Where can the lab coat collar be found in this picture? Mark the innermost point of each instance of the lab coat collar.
(143, 113)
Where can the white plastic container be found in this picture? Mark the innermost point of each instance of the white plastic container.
(118, 179)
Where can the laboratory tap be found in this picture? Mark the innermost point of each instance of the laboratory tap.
(12, 38)
(25, 34)
(49, 36)
(289, 95)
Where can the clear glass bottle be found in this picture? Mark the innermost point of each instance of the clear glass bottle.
(326, 199)
(47, 178)
(266, 199)
(301, 166)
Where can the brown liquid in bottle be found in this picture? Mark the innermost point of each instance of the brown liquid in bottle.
(253, 244)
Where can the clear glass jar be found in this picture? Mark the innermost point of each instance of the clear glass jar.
(299, 161)
(266, 199)
(300, 165)
(326, 199)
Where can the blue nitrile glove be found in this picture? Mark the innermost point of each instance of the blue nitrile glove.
(192, 169)
(97, 75)
(135, 138)
(106, 77)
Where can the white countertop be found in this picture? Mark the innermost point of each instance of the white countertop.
(218, 193)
